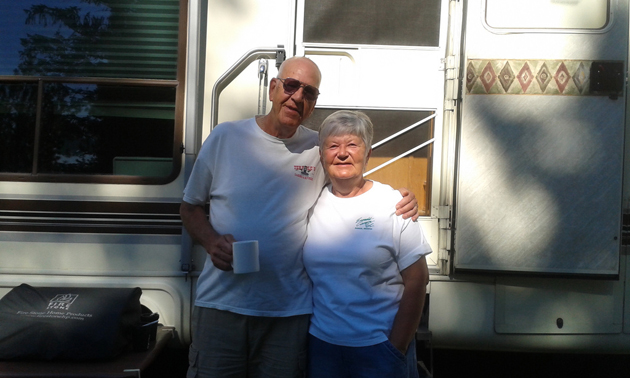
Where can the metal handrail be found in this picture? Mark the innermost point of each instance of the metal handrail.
(277, 53)
(388, 162)
(408, 128)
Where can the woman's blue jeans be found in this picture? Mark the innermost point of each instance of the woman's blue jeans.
(327, 360)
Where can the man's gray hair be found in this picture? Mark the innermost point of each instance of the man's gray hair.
(344, 122)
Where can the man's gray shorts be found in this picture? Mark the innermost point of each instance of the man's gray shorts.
(227, 345)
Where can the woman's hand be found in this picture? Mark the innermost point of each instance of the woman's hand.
(415, 279)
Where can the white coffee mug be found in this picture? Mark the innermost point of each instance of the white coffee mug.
(245, 256)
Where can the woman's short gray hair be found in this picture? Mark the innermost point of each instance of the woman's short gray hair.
(344, 122)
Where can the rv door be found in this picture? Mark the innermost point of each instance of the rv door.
(385, 60)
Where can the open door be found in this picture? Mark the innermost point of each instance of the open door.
(386, 61)
(539, 177)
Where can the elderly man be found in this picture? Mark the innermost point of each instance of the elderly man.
(262, 175)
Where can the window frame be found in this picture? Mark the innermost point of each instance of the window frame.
(178, 148)
(612, 5)
(300, 25)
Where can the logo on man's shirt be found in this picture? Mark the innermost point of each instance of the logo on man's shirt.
(364, 223)
(305, 172)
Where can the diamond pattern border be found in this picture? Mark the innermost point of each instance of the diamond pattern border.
(541, 77)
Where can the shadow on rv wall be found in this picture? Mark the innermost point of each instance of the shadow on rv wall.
(540, 184)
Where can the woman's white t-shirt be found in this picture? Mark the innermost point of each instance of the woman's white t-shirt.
(355, 250)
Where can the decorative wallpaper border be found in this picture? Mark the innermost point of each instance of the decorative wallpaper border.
(540, 77)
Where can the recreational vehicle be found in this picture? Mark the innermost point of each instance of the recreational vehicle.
(506, 118)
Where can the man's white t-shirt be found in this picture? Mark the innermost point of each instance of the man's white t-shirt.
(260, 188)
(354, 253)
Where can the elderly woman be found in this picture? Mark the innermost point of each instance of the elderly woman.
(367, 265)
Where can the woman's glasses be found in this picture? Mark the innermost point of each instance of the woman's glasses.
(291, 86)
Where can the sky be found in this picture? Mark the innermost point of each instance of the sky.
(13, 27)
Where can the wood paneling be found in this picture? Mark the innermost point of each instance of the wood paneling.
(410, 172)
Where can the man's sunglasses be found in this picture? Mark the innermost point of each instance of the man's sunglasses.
(291, 86)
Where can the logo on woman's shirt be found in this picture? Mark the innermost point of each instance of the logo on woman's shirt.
(365, 223)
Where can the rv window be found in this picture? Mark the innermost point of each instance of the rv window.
(547, 14)
(18, 104)
(88, 90)
(372, 22)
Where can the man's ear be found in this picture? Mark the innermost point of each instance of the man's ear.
(272, 87)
